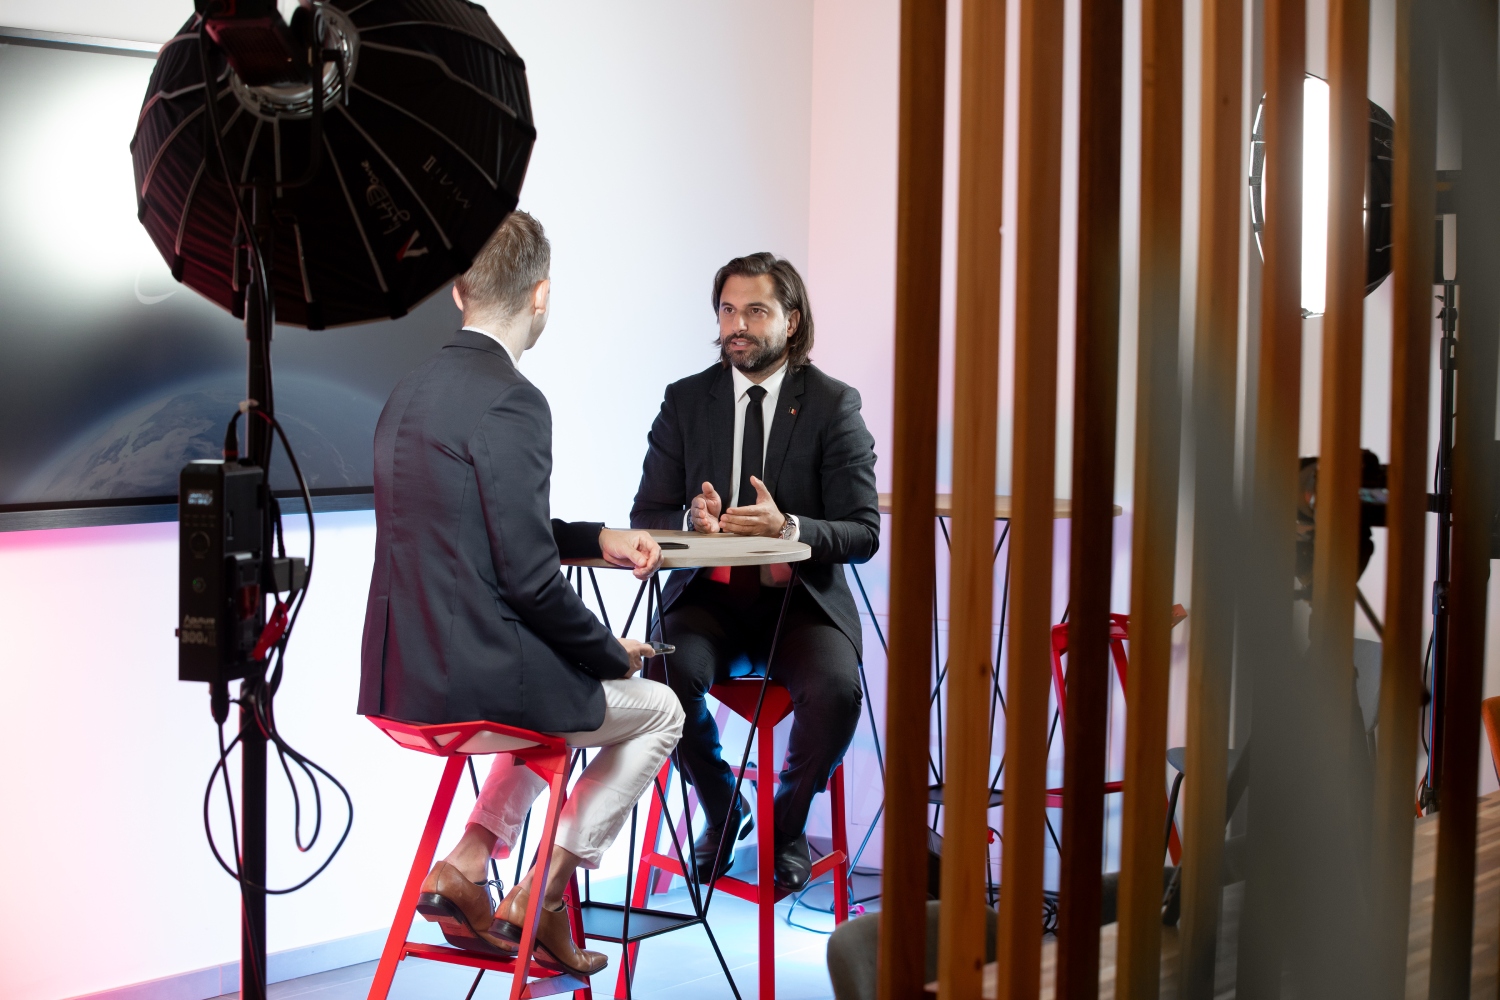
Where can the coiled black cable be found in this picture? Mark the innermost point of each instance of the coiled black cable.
(262, 712)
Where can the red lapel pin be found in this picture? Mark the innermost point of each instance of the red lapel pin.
(792, 410)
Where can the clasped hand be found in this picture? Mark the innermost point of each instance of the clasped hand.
(640, 553)
(760, 518)
(633, 550)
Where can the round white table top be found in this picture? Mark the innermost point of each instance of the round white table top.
(692, 549)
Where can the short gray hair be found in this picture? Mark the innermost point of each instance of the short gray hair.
(515, 257)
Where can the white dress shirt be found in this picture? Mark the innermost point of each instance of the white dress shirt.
(742, 385)
(514, 357)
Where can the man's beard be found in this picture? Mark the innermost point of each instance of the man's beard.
(763, 356)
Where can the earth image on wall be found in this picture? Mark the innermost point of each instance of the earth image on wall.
(139, 450)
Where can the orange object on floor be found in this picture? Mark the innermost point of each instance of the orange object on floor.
(1489, 711)
(548, 757)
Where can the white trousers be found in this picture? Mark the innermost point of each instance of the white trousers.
(642, 723)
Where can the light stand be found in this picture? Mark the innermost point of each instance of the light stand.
(245, 43)
(260, 319)
(1439, 502)
(212, 185)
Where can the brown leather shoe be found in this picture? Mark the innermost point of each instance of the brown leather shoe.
(462, 909)
(554, 936)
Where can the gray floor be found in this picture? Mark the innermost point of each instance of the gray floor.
(676, 966)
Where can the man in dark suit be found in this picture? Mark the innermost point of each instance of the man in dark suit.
(786, 444)
(469, 616)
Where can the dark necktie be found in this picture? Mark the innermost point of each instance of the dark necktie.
(752, 447)
(744, 581)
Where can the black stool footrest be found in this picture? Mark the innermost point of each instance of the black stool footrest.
(935, 796)
(605, 921)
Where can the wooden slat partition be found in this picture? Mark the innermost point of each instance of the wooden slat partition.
(901, 968)
(1215, 549)
(1414, 205)
(1336, 542)
(1039, 155)
(1332, 798)
(1267, 606)
(1336, 538)
(1095, 397)
(1469, 47)
(1154, 527)
(976, 381)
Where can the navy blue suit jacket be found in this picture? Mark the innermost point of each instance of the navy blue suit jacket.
(469, 616)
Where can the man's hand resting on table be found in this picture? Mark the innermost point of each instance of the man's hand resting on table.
(634, 550)
(638, 652)
(761, 518)
(703, 512)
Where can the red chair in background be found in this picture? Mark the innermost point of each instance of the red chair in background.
(548, 757)
(1119, 634)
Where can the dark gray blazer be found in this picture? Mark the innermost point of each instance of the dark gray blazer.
(820, 465)
(469, 616)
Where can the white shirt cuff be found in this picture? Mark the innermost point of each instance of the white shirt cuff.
(687, 520)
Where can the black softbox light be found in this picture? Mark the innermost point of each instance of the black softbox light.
(426, 133)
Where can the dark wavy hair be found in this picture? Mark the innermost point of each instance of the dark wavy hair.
(790, 292)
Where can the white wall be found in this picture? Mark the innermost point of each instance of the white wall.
(850, 270)
(673, 135)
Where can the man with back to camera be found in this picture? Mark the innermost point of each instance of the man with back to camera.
(764, 443)
(469, 615)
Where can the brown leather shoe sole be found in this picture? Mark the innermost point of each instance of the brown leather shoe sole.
(514, 906)
(457, 930)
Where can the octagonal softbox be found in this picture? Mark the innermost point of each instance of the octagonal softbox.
(426, 133)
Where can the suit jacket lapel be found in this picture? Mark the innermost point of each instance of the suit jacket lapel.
(721, 437)
(788, 405)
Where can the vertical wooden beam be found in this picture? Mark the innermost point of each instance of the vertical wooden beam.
(1154, 529)
(1038, 192)
(1215, 552)
(901, 969)
(1333, 787)
(1336, 539)
(1469, 46)
(1414, 206)
(1243, 681)
(976, 384)
(1095, 394)
(1267, 605)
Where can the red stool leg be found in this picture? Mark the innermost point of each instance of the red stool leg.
(395, 941)
(558, 792)
(657, 880)
(765, 850)
(841, 844)
(575, 922)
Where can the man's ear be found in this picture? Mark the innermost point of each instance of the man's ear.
(793, 323)
(458, 299)
(539, 295)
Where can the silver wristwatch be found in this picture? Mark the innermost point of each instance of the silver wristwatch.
(787, 528)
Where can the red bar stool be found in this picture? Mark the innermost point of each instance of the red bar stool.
(741, 695)
(1119, 634)
(548, 757)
